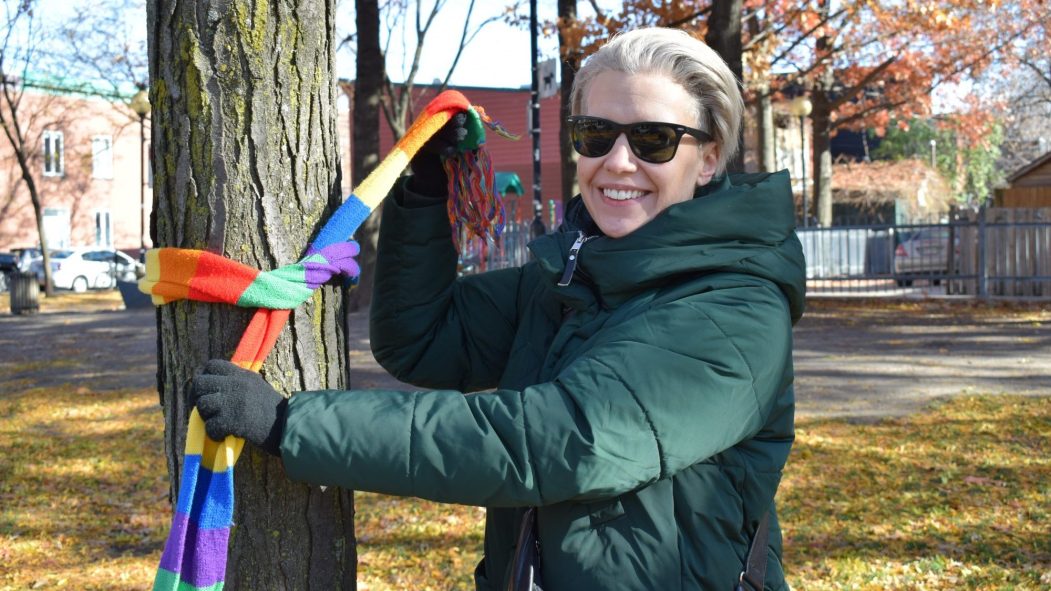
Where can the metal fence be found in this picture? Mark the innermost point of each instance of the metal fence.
(996, 252)
(509, 250)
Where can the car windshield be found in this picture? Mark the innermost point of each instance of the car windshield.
(61, 254)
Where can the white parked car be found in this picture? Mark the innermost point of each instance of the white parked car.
(80, 269)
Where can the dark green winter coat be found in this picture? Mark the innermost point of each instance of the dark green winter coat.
(646, 407)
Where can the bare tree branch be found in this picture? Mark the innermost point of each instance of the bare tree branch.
(806, 35)
(686, 19)
(848, 94)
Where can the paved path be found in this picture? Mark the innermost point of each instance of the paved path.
(868, 363)
(850, 361)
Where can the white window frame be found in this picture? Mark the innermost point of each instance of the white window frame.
(54, 153)
(57, 226)
(102, 157)
(103, 228)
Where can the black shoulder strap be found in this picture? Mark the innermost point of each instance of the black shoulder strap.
(754, 573)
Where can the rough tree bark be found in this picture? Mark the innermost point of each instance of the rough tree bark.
(246, 164)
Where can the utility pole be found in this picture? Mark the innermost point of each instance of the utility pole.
(537, 228)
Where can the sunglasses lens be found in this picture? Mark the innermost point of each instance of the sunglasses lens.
(593, 137)
(653, 142)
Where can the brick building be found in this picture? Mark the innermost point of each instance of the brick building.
(86, 156)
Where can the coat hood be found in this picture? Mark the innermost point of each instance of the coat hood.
(737, 224)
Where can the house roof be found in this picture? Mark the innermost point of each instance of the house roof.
(914, 182)
(1021, 172)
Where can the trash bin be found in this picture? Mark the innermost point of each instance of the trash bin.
(25, 293)
(133, 298)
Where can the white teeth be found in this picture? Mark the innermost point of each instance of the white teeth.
(621, 195)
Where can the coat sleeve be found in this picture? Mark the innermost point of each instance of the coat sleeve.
(427, 327)
(677, 384)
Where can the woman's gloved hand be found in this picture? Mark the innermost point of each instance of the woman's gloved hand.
(428, 174)
(235, 401)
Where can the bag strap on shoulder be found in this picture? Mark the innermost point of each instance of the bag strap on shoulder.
(754, 573)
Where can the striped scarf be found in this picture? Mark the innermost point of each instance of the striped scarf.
(194, 556)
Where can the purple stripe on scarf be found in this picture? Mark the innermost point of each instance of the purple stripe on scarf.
(197, 555)
(339, 260)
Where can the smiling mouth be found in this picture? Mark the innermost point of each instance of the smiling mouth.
(622, 194)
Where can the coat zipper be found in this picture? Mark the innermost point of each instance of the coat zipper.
(574, 255)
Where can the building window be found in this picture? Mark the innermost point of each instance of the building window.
(54, 156)
(56, 227)
(103, 229)
(102, 157)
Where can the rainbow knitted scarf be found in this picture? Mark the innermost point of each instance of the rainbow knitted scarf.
(194, 556)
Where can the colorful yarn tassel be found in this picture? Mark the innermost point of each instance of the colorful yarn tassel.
(194, 556)
(474, 210)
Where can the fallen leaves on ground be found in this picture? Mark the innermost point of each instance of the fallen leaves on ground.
(83, 489)
(951, 311)
(957, 497)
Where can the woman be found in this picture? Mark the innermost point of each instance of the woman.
(642, 363)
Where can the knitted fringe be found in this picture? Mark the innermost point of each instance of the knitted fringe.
(473, 206)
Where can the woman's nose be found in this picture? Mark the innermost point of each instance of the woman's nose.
(620, 158)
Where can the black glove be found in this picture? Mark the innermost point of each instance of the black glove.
(235, 401)
(428, 174)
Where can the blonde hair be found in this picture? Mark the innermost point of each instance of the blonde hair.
(685, 60)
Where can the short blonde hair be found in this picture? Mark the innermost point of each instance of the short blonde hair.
(683, 59)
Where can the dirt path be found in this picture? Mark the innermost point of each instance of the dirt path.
(853, 360)
(866, 360)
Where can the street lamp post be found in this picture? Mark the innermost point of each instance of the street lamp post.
(801, 107)
(140, 103)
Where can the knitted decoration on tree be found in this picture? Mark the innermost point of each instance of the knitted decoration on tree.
(194, 556)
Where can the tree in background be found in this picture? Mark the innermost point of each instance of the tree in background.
(724, 35)
(967, 159)
(245, 141)
(570, 54)
(22, 122)
(866, 63)
(397, 101)
(100, 44)
(365, 145)
(1025, 95)
(862, 63)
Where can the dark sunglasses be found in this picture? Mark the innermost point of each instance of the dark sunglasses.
(650, 141)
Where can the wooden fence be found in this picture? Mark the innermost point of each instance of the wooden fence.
(1013, 245)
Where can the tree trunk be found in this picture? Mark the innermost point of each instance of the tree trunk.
(38, 213)
(9, 120)
(724, 36)
(570, 62)
(245, 142)
(764, 121)
(365, 151)
(821, 130)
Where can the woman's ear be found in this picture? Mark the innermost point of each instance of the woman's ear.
(709, 163)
